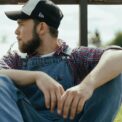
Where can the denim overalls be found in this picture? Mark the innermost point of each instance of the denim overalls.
(101, 107)
(58, 68)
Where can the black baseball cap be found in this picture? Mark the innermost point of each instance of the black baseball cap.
(43, 10)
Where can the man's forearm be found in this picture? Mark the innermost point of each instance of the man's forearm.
(21, 77)
(109, 66)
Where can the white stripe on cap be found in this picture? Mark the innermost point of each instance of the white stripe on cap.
(30, 6)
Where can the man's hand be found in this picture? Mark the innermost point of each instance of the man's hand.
(73, 100)
(51, 89)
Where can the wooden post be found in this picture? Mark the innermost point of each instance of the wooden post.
(83, 23)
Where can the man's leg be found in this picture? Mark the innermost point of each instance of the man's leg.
(9, 111)
(104, 104)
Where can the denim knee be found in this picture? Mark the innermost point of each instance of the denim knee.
(104, 103)
(9, 111)
(7, 86)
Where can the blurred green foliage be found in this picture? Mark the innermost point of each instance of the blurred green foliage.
(119, 116)
(117, 40)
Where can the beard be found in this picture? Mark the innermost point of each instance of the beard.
(32, 45)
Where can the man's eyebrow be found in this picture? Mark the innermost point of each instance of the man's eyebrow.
(19, 21)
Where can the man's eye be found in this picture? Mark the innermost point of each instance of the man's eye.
(21, 24)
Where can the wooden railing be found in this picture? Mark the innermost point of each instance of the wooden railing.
(67, 1)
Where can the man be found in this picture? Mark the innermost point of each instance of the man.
(60, 83)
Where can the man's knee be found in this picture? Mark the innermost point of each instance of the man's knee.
(116, 85)
(111, 91)
(5, 81)
(8, 101)
(105, 101)
(7, 87)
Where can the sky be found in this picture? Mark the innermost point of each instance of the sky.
(106, 19)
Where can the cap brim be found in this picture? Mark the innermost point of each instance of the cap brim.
(14, 15)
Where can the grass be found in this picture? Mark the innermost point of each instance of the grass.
(119, 116)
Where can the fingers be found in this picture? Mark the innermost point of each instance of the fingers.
(47, 99)
(55, 96)
(51, 89)
(52, 96)
(59, 92)
(61, 103)
(80, 105)
(67, 104)
(74, 107)
(62, 90)
(70, 103)
(53, 100)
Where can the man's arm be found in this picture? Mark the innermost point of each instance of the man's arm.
(108, 67)
(20, 78)
(51, 89)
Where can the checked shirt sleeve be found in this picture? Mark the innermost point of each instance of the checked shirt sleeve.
(10, 61)
(86, 59)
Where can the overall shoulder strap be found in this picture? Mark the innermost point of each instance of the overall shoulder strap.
(73, 64)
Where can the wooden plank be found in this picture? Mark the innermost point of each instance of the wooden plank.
(83, 39)
(55, 1)
(105, 2)
(12, 1)
(66, 1)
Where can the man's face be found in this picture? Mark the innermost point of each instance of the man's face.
(28, 39)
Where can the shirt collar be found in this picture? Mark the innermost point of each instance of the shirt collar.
(62, 46)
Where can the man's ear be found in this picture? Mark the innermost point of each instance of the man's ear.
(42, 28)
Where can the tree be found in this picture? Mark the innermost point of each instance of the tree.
(117, 40)
(95, 39)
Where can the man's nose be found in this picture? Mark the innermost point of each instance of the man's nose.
(17, 31)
